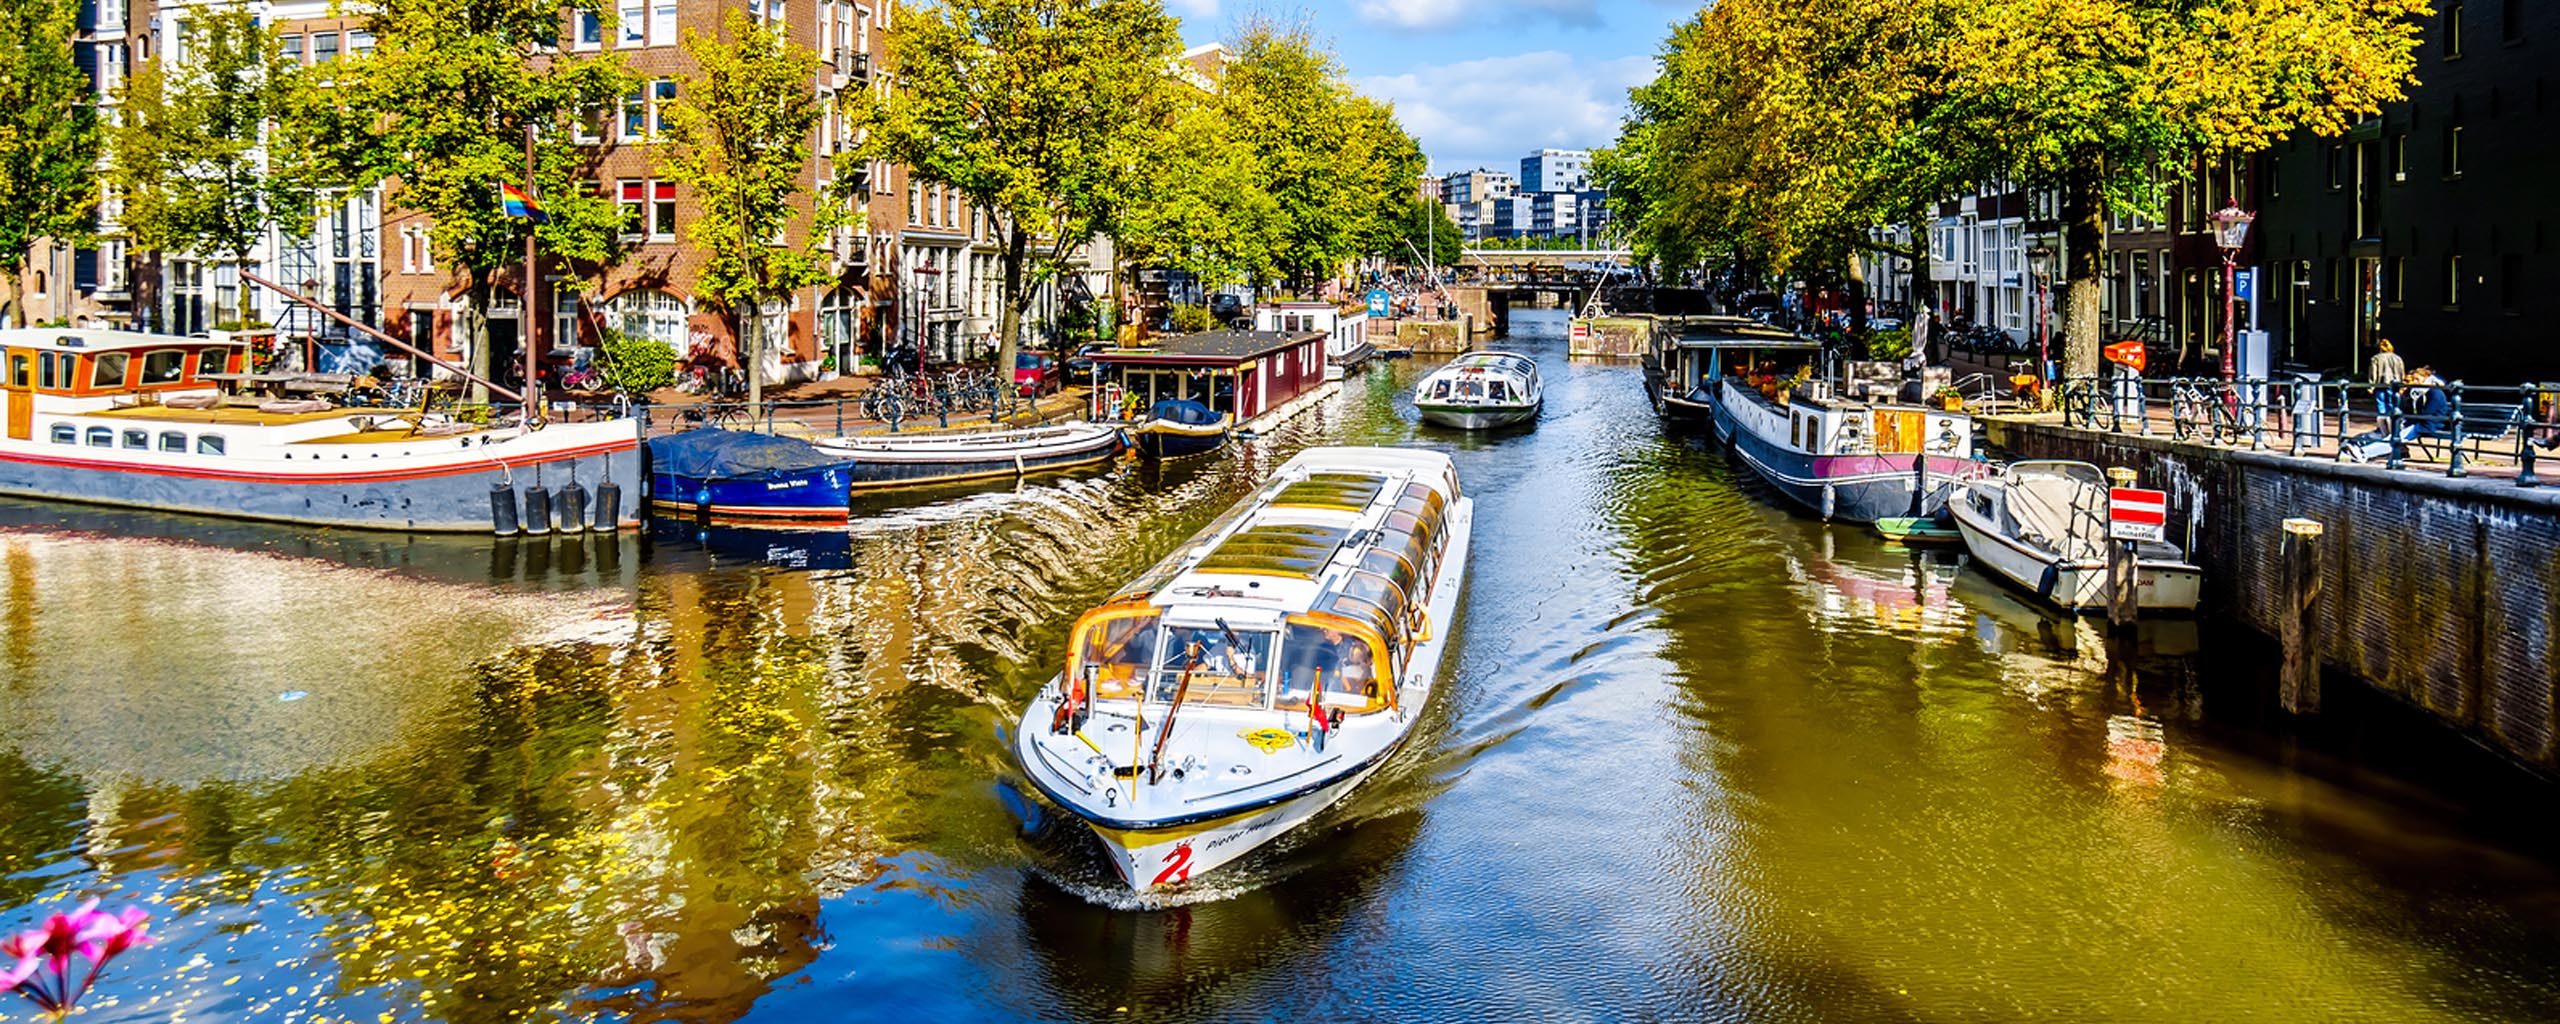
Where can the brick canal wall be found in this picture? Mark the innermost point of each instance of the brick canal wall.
(2442, 592)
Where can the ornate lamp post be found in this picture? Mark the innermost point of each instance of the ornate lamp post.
(2230, 231)
(2039, 264)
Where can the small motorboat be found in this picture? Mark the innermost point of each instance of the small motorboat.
(1481, 390)
(1919, 530)
(1260, 672)
(887, 461)
(2042, 525)
(1178, 427)
(735, 477)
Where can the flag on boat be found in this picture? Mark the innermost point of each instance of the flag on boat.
(519, 203)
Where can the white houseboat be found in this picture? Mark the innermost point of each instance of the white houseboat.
(1346, 331)
(1261, 671)
(177, 424)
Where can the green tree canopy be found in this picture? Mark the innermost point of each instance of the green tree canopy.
(1340, 169)
(739, 137)
(189, 155)
(49, 138)
(1039, 112)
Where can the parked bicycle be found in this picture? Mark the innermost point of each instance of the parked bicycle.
(2206, 409)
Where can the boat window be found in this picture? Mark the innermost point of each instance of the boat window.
(173, 441)
(1327, 656)
(163, 366)
(212, 360)
(1501, 392)
(64, 433)
(1430, 498)
(1470, 387)
(101, 437)
(1392, 566)
(44, 377)
(1439, 389)
(208, 444)
(111, 370)
(17, 371)
(1377, 590)
(139, 440)
(1227, 667)
(1113, 652)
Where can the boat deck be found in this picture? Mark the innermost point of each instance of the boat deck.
(223, 415)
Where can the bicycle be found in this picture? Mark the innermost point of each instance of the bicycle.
(2206, 409)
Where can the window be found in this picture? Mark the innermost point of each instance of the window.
(662, 25)
(633, 198)
(662, 211)
(634, 22)
(293, 48)
(590, 31)
(2452, 281)
(635, 115)
(111, 62)
(101, 437)
(110, 17)
(648, 313)
(770, 12)
(324, 47)
(211, 360)
(2337, 166)
(662, 95)
(64, 433)
(359, 42)
(2453, 150)
(2452, 31)
(17, 371)
(564, 313)
(138, 440)
(173, 441)
(44, 372)
(164, 366)
(2400, 158)
(208, 444)
(111, 370)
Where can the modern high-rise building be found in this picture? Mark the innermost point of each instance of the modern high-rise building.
(1479, 185)
(1556, 170)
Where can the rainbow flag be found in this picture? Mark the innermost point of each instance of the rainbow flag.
(518, 203)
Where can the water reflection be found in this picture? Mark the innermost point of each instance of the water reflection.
(1694, 756)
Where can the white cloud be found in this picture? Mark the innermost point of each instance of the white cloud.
(1491, 112)
(1432, 14)
(1202, 9)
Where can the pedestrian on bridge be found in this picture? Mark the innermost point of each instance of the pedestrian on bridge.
(2385, 372)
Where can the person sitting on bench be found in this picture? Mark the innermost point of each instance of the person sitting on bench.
(2427, 411)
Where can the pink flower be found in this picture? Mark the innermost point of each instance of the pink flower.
(27, 965)
(110, 934)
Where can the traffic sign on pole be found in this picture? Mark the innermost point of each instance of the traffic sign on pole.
(2135, 513)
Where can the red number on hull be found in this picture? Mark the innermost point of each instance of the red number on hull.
(1177, 866)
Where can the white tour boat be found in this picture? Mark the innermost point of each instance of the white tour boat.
(177, 424)
(1262, 670)
(1481, 390)
(2042, 524)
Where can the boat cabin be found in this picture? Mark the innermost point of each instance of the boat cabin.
(1483, 376)
(1313, 593)
(70, 371)
(1346, 328)
(1240, 373)
(1700, 350)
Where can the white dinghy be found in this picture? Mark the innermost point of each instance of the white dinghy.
(1261, 671)
(2042, 525)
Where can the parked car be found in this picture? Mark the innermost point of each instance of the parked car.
(1080, 365)
(1226, 307)
(1037, 373)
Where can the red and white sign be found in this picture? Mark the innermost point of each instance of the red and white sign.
(2137, 514)
(1581, 332)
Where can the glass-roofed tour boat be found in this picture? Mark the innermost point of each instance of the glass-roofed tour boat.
(1261, 671)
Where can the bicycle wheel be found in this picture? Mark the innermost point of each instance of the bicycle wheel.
(2182, 414)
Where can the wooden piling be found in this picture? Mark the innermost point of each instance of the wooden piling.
(2124, 572)
(2299, 684)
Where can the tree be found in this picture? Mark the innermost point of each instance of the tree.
(1428, 229)
(48, 139)
(1200, 204)
(1340, 169)
(739, 136)
(189, 155)
(442, 108)
(1037, 111)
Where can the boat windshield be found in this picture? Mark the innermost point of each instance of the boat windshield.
(1228, 667)
(1114, 650)
(1334, 658)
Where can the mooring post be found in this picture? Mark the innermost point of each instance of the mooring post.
(2123, 571)
(2299, 683)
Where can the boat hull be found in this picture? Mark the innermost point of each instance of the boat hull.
(2076, 586)
(1154, 858)
(813, 497)
(1851, 488)
(1158, 439)
(1476, 417)
(880, 466)
(434, 493)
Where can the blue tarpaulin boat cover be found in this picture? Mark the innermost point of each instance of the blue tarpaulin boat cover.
(1185, 412)
(714, 454)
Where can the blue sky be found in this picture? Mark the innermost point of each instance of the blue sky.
(1481, 82)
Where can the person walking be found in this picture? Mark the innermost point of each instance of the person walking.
(2385, 371)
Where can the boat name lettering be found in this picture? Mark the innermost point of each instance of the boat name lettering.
(1243, 832)
(784, 485)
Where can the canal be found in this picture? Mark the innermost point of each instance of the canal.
(1698, 758)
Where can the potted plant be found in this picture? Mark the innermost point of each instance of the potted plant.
(1949, 399)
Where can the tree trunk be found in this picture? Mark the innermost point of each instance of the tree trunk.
(1016, 243)
(750, 340)
(2084, 241)
(475, 333)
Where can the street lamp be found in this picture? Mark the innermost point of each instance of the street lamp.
(2040, 264)
(2230, 231)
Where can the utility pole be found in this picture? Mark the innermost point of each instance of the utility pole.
(528, 326)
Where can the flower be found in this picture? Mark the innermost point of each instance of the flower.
(43, 971)
(110, 934)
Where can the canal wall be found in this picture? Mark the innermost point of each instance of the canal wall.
(2441, 592)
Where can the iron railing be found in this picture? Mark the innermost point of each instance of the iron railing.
(2348, 421)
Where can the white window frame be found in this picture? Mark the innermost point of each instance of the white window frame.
(662, 23)
(586, 30)
(632, 27)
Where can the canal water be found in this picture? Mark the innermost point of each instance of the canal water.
(1698, 758)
